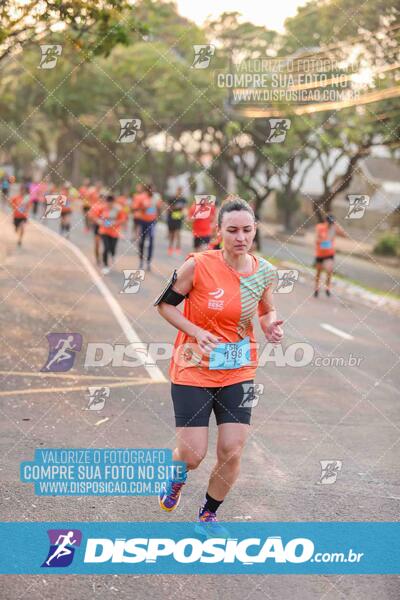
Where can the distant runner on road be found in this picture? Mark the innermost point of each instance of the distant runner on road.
(203, 224)
(175, 217)
(149, 205)
(110, 217)
(325, 234)
(66, 209)
(97, 203)
(137, 212)
(21, 205)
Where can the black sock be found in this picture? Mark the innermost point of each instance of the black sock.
(211, 504)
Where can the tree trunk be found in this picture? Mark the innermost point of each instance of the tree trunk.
(219, 178)
(288, 220)
(257, 210)
(318, 210)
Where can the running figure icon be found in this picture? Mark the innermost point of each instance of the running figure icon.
(62, 349)
(62, 546)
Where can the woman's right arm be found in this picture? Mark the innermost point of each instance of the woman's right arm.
(183, 284)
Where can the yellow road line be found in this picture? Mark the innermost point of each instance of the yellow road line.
(74, 388)
(63, 375)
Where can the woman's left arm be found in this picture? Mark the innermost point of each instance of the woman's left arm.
(270, 325)
(340, 231)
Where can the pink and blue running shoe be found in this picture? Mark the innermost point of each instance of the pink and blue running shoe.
(208, 526)
(170, 498)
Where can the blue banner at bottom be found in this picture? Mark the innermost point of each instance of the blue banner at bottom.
(285, 548)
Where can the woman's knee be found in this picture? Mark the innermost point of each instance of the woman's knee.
(192, 458)
(230, 452)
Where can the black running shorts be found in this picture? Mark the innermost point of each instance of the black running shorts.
(321, 259)
(18, 221)
(193, 405)
(201, 241)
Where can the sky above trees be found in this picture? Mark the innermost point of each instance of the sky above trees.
(259, 13)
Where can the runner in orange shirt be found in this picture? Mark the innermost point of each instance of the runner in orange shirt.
(124, 203)
(137, 212)
(109, 217)
(215, 356)
(97, 201)
(325, 251)
(66, 209)
(21, 205)
(202, 215)
(149, 205)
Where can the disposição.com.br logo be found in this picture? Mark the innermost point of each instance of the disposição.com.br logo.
(62, 547)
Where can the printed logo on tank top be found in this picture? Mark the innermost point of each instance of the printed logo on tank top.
(214, 302)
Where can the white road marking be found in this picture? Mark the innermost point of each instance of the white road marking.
(102, 421)
(131, 335)
(339, 332)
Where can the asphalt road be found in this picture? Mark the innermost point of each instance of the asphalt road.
(306, 414)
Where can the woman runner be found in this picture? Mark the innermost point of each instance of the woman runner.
(175, 217)
(149, 206)
(325, 234)
(137, 212)
(202, 214)
(21, 205)
(215, 358)
(109, 217)
(66, 210)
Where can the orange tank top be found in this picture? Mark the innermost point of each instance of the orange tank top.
(223, 302)
(325, 240)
